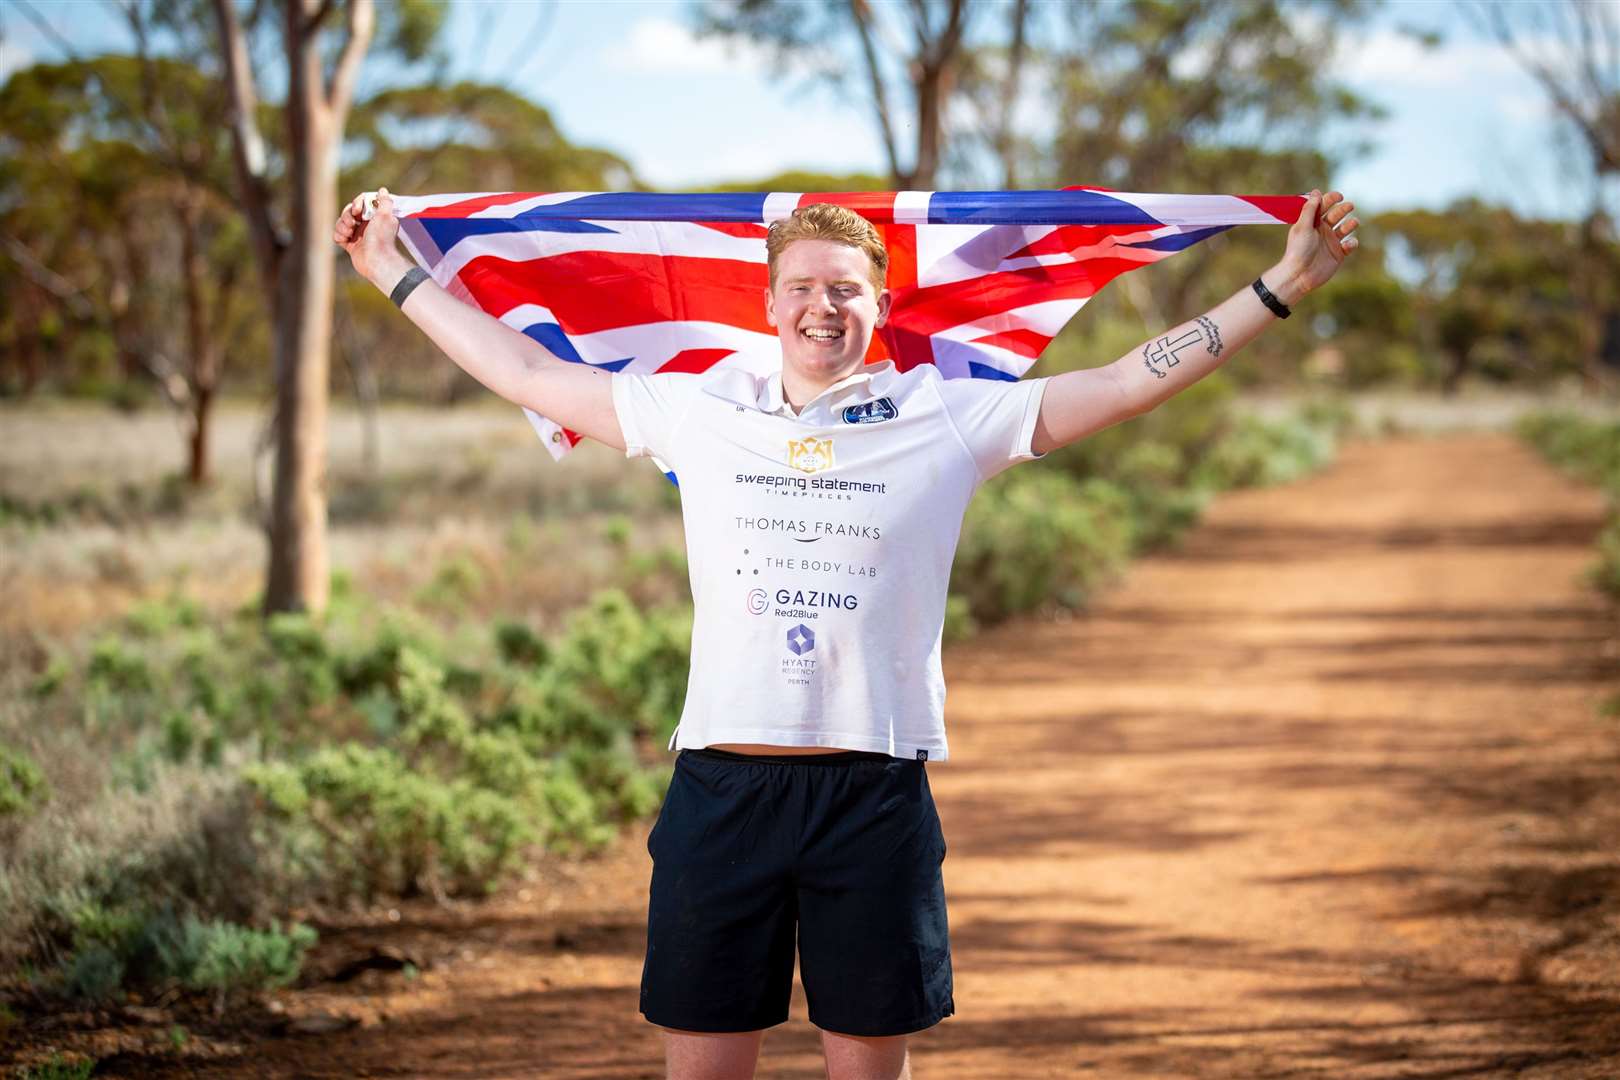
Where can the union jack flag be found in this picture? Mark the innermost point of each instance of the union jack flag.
(634, 281)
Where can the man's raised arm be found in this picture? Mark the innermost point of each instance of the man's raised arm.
(516, 367)
(1080, 403)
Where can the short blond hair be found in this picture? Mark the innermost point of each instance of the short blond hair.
(825, 221)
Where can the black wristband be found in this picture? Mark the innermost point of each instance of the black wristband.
(1278, 308)
(413, 277)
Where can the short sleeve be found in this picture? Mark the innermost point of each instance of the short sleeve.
(650, 409)
(995, 419)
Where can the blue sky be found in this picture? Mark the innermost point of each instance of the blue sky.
(630, 76)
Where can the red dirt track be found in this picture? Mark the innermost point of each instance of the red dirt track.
(1325, 793)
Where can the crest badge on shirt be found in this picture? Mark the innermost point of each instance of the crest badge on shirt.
(811, 455)
(871, 412)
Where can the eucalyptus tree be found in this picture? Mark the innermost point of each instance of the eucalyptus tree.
(322, 45)
(116, 211)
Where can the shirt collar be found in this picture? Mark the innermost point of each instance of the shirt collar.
(772, 400)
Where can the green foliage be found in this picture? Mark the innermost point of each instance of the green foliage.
(1258, 453)
(22, 784)
(115, 950)
(1605, 574)
(58, 1067)
(451, 804)
(1589, 450)
(518, 643)
(156, 618)
(1038, 538)
(1049, 537)
(224, 958)
(119, 668)
(615, 669)
(456, 581)
(1491, 292)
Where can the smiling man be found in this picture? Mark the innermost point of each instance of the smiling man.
(822, 507)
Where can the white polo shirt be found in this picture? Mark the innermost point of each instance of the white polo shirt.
(820, 545)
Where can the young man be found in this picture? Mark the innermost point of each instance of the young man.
(822, 507)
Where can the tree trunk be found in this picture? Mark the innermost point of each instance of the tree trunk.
(203, 371)
(298, 577)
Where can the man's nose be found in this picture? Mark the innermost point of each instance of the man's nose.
(823, 303)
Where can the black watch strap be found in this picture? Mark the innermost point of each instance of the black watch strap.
(413, 277)
(1278, 308)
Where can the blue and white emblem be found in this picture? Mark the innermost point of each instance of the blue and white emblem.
(871, 412)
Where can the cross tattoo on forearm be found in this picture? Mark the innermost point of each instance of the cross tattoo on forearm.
(1164, 352)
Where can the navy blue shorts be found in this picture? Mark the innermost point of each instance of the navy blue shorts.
(843, 849)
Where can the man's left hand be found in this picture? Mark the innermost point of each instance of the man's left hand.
(1318, 243)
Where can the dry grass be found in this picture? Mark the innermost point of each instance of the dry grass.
(1477, 407)
(471, 483)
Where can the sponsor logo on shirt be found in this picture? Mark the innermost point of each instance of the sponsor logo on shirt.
(818, 487)
(817, 566)
(872, 412)
(801, 604)
(808, 532)
(810, 455)
(801, 640)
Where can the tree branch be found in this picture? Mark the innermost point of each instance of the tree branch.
(340, 88)
(861, 13)
(48, 30)
(46, 278)
(1005, 141)
(311, 25)
(247, 144)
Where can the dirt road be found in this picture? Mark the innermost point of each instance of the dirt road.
(1325, 793)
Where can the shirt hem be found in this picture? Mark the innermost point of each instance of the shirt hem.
(834, 740)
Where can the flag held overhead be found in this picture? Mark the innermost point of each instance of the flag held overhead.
(981, 281)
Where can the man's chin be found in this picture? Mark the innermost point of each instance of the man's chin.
(819, 366)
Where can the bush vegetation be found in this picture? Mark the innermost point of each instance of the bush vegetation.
(176, 786)
(1048, 538)
(251, 767)
(1590, 451)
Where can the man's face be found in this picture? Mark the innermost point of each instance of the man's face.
(824, 308)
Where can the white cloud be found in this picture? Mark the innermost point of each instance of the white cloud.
(13, 57)
(656, 45)
(1388, 56)
(832, 142)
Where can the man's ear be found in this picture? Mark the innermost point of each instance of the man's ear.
(770, 306)
(884, 299)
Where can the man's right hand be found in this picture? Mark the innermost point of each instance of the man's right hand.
(372, 245)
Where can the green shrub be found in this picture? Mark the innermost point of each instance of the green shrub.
(22, 783)
(1606, 573)
(224, 958)
(1588, 449)
(518, 643)
(116, 667)
(50, 681)
(59, 1068)
(456, 581)
(1037, 538)
(1259, 453)
(155, 618)
(299, 642)
(118, 950)
(615, 670)
(93, 973)
(379, 826)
